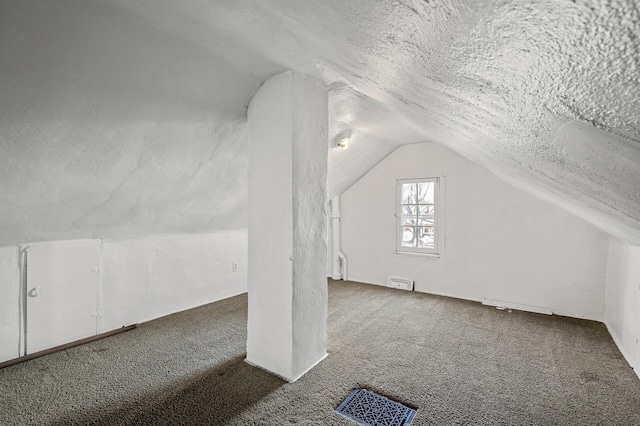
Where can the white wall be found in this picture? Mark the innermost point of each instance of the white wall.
(9, 303)
(141, 279)
(623, 300)
(111, 128)
(148, 278)
(501, 243)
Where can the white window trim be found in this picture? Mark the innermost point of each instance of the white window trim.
(438, 198)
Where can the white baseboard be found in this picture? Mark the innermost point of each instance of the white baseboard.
(536, 309)
(517, 306)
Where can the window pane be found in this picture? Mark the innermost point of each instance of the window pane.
(426, 210)
(426, 192)
(408, 193)
(425, 221)
(408, 210)
(416, 218)
(408, 236)
(426, 237)
(409, 221)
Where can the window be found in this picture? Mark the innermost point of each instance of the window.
(417, 226)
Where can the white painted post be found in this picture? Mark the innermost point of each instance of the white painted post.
(288, 121)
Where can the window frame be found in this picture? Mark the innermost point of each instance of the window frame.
(437, 225)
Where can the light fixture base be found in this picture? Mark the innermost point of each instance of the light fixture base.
(343, 143)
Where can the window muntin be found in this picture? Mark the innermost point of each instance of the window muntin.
(417, 219)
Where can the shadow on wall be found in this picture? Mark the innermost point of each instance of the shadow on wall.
(212, 397)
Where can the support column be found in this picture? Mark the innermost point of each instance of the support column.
(288, 121)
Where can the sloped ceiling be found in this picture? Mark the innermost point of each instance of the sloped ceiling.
(111, 128)
(546, 95)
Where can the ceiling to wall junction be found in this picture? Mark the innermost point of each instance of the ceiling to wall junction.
(252, 36)
(111, 128)
(545, 94)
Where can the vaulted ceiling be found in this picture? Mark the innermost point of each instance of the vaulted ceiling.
(545, 94)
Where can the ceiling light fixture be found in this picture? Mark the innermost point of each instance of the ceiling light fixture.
(343, 143)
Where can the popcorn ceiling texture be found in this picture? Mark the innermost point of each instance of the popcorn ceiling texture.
(497, 81)
(545, 94)
(113, 129)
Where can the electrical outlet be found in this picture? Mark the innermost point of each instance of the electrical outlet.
(234, 267)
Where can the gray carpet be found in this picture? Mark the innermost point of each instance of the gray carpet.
(457, 362)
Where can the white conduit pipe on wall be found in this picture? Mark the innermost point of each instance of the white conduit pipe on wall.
(22, 261)
(339, 270)
(343, 262)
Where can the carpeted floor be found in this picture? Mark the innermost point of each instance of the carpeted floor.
(457, 362)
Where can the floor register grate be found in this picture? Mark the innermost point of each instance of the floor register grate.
(370, 409)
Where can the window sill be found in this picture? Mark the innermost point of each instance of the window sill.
(415, 253)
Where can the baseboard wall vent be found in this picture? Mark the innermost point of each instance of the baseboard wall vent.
(516, 306)
(400, 283)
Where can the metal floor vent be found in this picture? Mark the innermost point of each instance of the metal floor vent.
(370, 409)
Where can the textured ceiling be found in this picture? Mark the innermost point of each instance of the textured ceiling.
(545, 94)
(111, 128)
